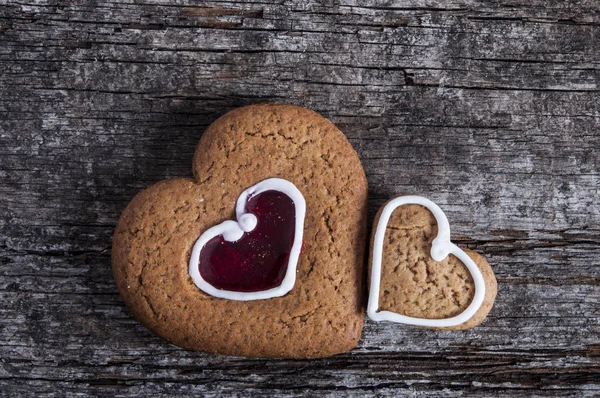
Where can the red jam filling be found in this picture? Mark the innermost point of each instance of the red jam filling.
(259, 260)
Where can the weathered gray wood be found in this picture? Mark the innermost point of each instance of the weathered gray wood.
(491, 109)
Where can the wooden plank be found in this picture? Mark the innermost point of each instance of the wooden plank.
(491, 109)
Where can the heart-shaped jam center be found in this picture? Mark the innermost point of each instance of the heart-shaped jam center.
(259, 259)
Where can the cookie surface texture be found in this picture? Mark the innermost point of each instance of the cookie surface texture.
(323, 313)
(414, 284)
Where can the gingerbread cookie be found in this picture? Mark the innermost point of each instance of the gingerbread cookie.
(418, 276)
(261, 253)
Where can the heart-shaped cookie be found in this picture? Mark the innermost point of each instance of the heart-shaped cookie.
(322, 314)
(418, 276)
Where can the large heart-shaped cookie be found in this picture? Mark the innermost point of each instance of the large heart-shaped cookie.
(322, 314)
(418, 276)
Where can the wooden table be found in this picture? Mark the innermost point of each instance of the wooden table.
(491, 109)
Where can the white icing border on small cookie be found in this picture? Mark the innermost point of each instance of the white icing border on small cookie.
(441, 247)
(246, 222)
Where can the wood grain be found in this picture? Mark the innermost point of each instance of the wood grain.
(491, 109)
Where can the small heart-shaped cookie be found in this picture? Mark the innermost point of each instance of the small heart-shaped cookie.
(319, 309)
(418, 276)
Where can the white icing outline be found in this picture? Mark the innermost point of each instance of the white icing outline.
(246, 222)
(441, 247)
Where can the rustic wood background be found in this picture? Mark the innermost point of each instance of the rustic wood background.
(490, 108)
